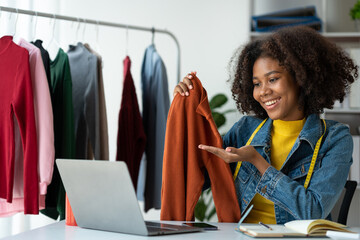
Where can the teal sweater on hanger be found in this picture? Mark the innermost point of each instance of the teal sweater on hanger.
(61, 85)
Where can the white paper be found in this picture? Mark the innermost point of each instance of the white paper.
(342, 235)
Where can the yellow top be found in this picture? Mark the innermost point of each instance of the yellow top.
(283, 137)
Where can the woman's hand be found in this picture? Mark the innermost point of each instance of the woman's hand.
(184, 86)
(243, 154)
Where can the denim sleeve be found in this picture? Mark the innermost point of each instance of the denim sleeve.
(325, 185)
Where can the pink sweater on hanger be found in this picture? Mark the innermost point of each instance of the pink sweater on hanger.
(45, 136)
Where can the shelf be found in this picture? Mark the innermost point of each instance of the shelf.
(341, 34)
(347, 116)
(336, 36)
(342, 110)
(343, 37)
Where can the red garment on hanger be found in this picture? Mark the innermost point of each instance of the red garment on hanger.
(131, 137)
(17, 104)
(189, 124)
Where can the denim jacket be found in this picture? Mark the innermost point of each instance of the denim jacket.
(286, 187)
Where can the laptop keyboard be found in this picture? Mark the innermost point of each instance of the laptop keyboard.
(160, 226)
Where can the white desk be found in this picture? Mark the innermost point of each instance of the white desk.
(59, 231)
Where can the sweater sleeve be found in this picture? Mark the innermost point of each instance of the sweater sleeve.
(173, 200)
(23, 106)
(92, 108)
(104, 136)
(68, 144)
(44, 121)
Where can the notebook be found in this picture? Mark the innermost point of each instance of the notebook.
(102, 197)
(296, 228)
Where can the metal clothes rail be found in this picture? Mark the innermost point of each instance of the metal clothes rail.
(103, 23)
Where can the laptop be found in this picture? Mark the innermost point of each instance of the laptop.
(102, 197)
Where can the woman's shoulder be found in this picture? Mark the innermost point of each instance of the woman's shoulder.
(338, 141)
(338, 137)
(337, 129)
(314, 124)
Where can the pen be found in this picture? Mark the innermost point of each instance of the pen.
(265, 225)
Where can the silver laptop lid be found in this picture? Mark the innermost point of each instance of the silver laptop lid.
(102, 196)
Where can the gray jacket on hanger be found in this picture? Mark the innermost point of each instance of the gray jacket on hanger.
(83, 67)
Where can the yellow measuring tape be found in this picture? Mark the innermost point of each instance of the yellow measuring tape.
(248, 143)
(313, 160)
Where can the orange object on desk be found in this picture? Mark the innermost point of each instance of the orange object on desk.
(69, 216)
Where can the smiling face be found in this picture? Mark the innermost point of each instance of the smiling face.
(276, 90)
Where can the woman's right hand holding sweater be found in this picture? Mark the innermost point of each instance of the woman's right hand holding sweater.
(183, 87)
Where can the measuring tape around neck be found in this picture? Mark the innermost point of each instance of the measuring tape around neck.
(313, 160)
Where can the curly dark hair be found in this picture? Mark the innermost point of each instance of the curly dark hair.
(323, 70)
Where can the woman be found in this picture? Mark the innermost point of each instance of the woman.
(290, 164)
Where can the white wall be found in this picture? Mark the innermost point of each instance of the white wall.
(208, 32)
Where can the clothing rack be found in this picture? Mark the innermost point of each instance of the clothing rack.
(103, 23)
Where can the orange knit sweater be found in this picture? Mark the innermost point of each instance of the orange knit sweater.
(190, 123)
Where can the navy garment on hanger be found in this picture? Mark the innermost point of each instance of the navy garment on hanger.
(46, 60)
